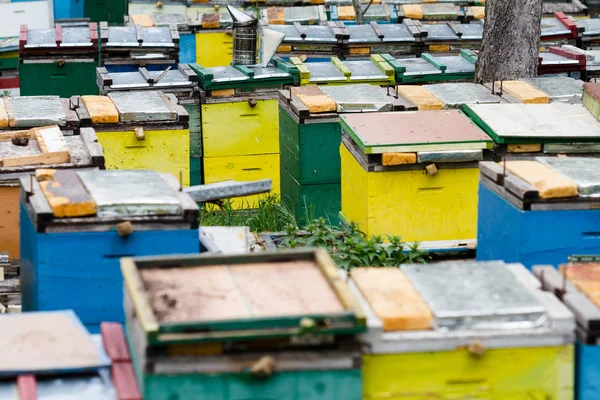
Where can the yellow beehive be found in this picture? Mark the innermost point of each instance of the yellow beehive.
(430, 355)
(431, 196)
(141, 130)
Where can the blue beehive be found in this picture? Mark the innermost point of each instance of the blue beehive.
(516, 224)
(573, 287)
(75, 228)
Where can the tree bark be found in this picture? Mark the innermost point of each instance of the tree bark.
(511, 40)
(358, 11)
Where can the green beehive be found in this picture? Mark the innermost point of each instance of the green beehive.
(310, 137)
(61, 61)
(253, 326)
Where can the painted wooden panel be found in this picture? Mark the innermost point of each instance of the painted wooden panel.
(243, 168)
(533, 237)
(9, 221)
(195, 143)
(81, 271)
(288, 385)
(214, 49)
(588, 372)
(111, 11)
(411, 204)
(187, 48)
(161, 151)
(236, 128)
(310, 152)
(309, 202)
(70, 79)
(500, 374)
(65, 9)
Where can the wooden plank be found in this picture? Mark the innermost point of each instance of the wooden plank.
(393, 298)
(144, 20)
(113, 338)
(3, 115)
(314, 99)
(524, 92)
(94, 149)
(389, 159)
(53, 147)
(66, 194)
(525, 148)
(586, 277)
(421, 97)
(276, 15)
(413, 11)
(346, 13)
(125, 381)
(27, 387)
(101, 109)
(549, 183)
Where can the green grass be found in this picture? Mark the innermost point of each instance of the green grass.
(270, 216)
(348, 246)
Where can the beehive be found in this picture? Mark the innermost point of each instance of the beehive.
(70, 250)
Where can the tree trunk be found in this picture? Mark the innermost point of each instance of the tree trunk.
(358, 11)
(511, 40)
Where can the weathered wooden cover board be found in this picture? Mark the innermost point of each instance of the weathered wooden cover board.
(414, 131)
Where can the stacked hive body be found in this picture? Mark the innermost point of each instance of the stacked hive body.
(310, 137)
(35, 14)
(149, 15)
(60, 61)
(543, 211)
(69, 363)
(76, 225)
(182, 82)
(576, 285)
(246, 326)
(428, 337)
(374, 71)
(214, 40)
(240, 130)
(125, 48)
(139, 130)
(412, 174)
(43, 147)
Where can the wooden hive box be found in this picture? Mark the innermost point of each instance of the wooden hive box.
(212, 325)
(152, 14)
(125, 48)
(18, 113)
(182, 82)
(46, 148)
(240, 103)
(544, 210)
(309, 139)
(430, 338)
(413, 174)
(70, 250)
(576, 284)
(213, 38)
(60, 61)
(139, 130)
(69, 362)
(525, 131)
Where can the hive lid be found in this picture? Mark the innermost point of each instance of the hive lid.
(127, 36)
(483, 295)
(71, 36)
(130, 193)
(457, 94)
(30, 111)
(414, 131)
(359, 98)
(417, 66)
(138, 106)
(137, 80)
(535, 123)
(47, 343)
(585, 172)
(240, 297)
(559, 88)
